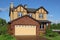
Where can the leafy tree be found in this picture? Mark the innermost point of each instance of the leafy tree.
(2, 22)
(3, 26)
(55, 26)
(3, 31)
(6, 37)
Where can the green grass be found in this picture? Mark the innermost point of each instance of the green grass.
(54, 38)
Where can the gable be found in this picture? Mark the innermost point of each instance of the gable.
(25, 20)
(42, 10)
(20, 8)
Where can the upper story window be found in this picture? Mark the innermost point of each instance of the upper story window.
(41, 15)
(30, 14)
(19, 14)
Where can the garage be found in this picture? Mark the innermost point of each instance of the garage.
(25, 30)
(24, 26)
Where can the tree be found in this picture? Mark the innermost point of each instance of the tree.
(55, 26)
(3, 26)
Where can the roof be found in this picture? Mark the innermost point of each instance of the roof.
(29, 10)
(43, 8)
(39, 21)
(22, 17)
(45, 21)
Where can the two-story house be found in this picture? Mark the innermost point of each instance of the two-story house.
(27, 21)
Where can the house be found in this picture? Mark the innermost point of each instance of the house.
(27, 21)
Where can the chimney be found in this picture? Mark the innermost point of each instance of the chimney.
(25, 5)
(11, 5)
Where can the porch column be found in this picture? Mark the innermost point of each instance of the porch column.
(44, 26)
(49, 25)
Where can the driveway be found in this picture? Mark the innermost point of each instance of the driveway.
(30, 38)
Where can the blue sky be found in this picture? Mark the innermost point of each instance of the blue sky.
(52, 6)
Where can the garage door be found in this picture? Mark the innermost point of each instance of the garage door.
(25, 30)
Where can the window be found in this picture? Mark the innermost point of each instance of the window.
(30, 14)
(41, 15)
(20, 14)
(41, 26)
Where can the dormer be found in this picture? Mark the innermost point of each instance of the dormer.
(41, 14)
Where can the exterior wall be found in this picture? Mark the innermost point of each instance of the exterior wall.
(43, 31)
(43, 12)
(14, 15)
(11, 15)
(23, 21)
(16, 11)
(34, 16)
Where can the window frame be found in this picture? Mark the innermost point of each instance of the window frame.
(41, 26)
(20, 14)
(40, 15)
(30, 14)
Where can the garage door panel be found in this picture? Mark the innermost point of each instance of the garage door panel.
(25, 30)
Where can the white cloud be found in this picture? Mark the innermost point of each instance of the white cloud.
(51, 16)
(4, 9)
(55, 21)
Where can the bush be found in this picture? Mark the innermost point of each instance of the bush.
(6, 37)
(50, 33)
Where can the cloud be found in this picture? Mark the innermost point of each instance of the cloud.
(4, 9)
(51, 16)
(55, 21)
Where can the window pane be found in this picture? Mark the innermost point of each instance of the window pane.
(42, 26)
(20, 14)
(30, 14)
(41, 15)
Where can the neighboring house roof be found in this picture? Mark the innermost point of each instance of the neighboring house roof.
(29, 10)
(39, 21)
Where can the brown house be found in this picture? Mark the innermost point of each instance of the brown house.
(27, 21)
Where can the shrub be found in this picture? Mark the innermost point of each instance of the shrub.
(6, 37)
(50, 33)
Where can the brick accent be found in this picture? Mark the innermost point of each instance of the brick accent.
(24, 21)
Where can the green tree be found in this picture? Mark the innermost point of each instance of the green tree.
(55, 26)
(3, 26)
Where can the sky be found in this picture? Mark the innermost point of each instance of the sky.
(52, 6)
